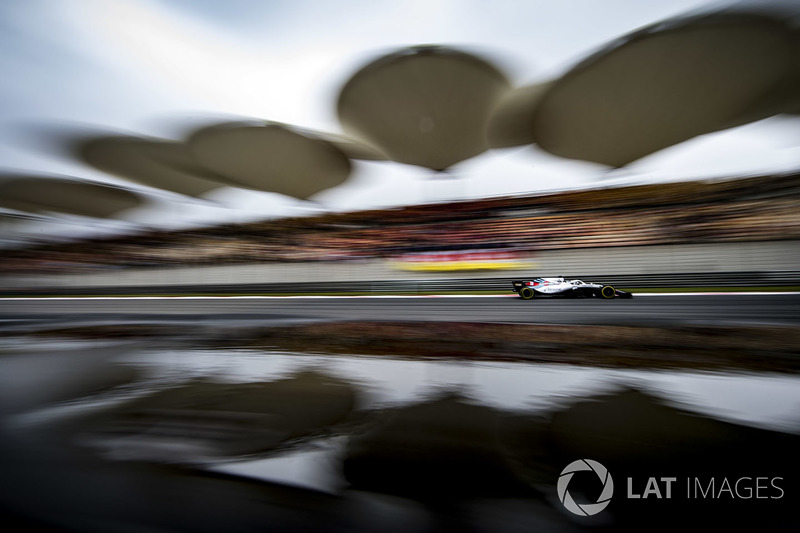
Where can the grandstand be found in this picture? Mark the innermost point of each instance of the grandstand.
(764, 208)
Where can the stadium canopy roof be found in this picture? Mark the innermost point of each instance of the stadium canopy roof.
(275, 157)
(426, 106)
(40, 194)
(670, 82)
(510, 122)
(158, 163)
(352, 148)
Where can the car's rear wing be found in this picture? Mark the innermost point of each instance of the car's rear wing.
(518, 284)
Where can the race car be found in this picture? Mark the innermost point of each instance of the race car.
(566, 288)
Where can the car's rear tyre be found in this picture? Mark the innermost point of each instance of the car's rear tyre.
(607, 292)
(526, 293)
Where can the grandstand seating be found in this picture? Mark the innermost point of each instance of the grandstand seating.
(743, 209)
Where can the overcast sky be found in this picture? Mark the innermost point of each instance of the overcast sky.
(153, 67)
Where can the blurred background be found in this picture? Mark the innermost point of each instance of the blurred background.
(222, 226)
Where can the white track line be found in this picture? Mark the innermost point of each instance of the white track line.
(374, 296)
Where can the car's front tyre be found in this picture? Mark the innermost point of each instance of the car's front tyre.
(607, 292)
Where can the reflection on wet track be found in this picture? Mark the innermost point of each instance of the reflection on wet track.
(226, 417)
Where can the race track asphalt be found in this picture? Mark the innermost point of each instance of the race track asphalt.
(727, 309)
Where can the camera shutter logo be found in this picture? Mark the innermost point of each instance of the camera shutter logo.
(587, 509)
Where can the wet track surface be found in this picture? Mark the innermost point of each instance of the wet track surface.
(730, 309)
(208, 414)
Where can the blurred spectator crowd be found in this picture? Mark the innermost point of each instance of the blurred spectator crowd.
(744, 209)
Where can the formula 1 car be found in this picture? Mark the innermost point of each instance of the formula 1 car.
(566, 288)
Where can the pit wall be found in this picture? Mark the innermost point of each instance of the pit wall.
(772, 256)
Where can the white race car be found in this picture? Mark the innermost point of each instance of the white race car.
(566, 288)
